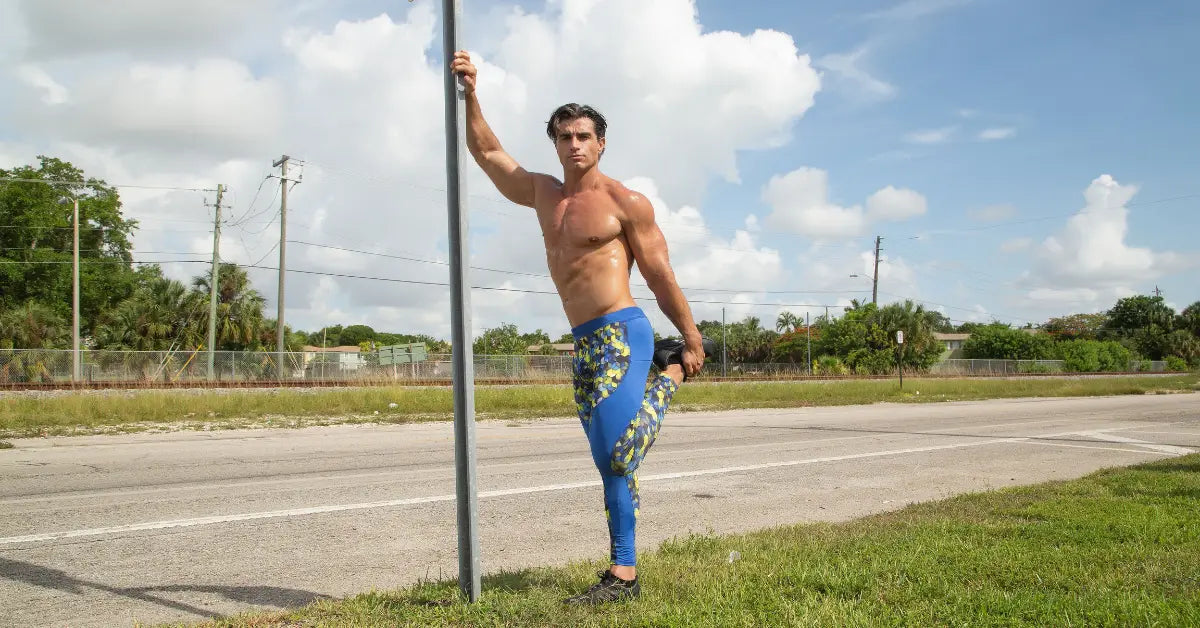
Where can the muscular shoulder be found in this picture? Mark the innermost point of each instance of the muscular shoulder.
(547, 191)
(633, 205)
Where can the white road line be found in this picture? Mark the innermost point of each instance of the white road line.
(275, 514)
(308, 479)
(1134, 451)
(1171, 433)
(1103, 435)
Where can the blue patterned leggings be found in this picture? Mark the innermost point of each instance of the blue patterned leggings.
(620, 411)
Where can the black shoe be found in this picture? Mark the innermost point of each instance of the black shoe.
(670, 351)
(609, 589)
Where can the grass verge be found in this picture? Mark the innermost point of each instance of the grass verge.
(132, 411)
(1118, 547)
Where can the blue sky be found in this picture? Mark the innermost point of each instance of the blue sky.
(1088, 87)
(965, 132)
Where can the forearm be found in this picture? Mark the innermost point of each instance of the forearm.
(675, 306)
(480, 138)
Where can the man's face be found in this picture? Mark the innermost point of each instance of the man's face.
(577, 145)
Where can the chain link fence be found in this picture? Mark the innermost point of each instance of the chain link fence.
(178, 367)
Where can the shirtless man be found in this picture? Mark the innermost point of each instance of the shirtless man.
(594, 230)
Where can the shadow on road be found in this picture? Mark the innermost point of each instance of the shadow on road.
(59, 580)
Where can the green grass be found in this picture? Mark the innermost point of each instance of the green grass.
(5, 445)
(121, 411)
(1120, 547)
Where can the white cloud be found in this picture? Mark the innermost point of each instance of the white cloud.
(724, 92)
(847, 67)
(932, 136)
(993, 213)
(1016, 244)
(157, 94)
(895, 204)
(998, 133)
(1090, 259)
(53, 93)
(65, 28)
(800, 204)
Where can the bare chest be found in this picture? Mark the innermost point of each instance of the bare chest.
(581, 223)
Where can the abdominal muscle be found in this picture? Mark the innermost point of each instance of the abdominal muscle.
(592, 282)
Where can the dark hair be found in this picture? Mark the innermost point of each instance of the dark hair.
(574, 111)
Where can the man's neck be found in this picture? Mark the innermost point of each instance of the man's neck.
(575, 182)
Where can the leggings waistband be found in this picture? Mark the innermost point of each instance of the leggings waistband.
(619, 316)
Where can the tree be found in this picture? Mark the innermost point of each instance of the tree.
(1182, 344)
(792, 346)
(1140, 312)
(1001, 342)
(502, 340)
(787, 322)
(36, 245)
(1076, 326)
(747, 342)
(920, 348)
(356, 335)
(1189, 319)
(240, 322)
(327, 337)
(33, 325)
(159, 316)
(938, 322)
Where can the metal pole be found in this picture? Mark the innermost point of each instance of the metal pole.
(808, 330)
(76, 367)
(723, 360)
(212, 288)
(283, 181)
(875, 277)
(460, 314)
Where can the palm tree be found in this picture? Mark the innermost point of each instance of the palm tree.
(916, 323)
(159, 316)
(240, 321)
(787, 322)
(32, 326)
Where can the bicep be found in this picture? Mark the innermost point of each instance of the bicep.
(516, 183)
(648, 244)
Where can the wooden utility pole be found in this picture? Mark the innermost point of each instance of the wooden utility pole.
(875, 280)
(280, 347)
(212, 288)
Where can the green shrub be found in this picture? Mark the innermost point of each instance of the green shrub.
(1080, 356)
(872, 361)
(1034, 367)
(1091, 356)
(1000, 342)
(829, 365)
(1176, 363)
(1114, 356)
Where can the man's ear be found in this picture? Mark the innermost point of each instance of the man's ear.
(603, 143)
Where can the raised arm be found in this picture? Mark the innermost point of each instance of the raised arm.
(649, 248)
(514, 182)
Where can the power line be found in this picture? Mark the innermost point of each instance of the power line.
(105, 184)
(545, 276)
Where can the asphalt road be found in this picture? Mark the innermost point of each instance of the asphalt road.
(105, 531)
